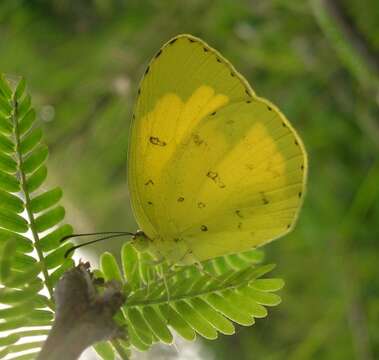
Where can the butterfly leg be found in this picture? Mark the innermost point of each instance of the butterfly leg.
(162, 274)
(202, 270)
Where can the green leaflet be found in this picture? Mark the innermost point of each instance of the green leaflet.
(6, 145)
(7, 163)
(14, 337)
(175, 320)
(20, 89)
(123, 348)
(21, 347)
(157, 324)
(14, 296)
(268, 284)
(21, 261)
(35, 180)
(105, 350)
(229, 309)
(5, 90)
(24, 106)
(13, 222)
(35, 159)
(52, 240)
(20, 310)
(31, 140)
(7, 253)
(22, 278)
(24, 273)
(109, 267)
(27, 121)
(187, 299)
(9, 182)
(56, 257)
(22, 243)
(130, 265)
(5, 124)
(10, 339)
(49, 219)
(195, 320)
(46, 200)
(5, 105)
(219, 322)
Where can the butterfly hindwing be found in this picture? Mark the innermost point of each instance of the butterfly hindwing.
(240, 176)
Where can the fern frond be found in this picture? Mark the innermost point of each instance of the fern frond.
(31, 256)
(189, 301)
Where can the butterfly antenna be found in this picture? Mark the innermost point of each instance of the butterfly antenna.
(64, 238)
(73, 248)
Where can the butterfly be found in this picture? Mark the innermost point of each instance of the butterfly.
(213, 169)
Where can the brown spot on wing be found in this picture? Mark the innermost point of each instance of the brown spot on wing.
(156, 141)
(216, 178)
(200, 205)
(197, 139)
(264, 198)
(239, 214)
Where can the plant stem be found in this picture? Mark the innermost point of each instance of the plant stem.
(27, 198)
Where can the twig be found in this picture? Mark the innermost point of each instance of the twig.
(83, 316)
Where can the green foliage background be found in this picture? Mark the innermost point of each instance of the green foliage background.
(83, 60)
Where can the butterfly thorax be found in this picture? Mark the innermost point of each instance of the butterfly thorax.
(141, 241)
(174, 250)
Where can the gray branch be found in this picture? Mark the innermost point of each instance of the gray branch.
(83, 315)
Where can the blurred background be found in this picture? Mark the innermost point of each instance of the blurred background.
(317, 60)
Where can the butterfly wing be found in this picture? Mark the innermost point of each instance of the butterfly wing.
(186, 89)
(187, 70)
(237, 182)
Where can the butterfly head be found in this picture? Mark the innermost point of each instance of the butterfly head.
(141, 241)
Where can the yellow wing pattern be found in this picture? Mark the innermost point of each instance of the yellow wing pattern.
(213, 169)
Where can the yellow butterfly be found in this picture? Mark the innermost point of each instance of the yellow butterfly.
(213, 169)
